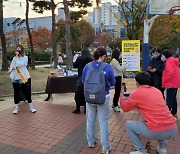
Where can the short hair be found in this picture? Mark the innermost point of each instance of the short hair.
(142, 78)
(167, 53)
(157, 49)
(85, 53)
(99, 52)
(115, 54)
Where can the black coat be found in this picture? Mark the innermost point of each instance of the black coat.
(156, 77)
(80, 63)
(79, 93)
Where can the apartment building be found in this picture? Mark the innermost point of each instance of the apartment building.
(14, 23)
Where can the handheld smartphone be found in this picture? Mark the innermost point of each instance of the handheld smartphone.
(124, 84)
(126, 93)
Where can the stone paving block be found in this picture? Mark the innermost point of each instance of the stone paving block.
(54, 149)
(40, 150)
(22, 151)
(12, 150)
(64, 132)
(3, 146)
(68, 151)
(73, 138)
(128, 148)
(7, 148)
(120, 147)
(81, 140)
(119, 152)
(60, 151)
(73, 146)
(66, 142)
(61, 145)
(33, 152)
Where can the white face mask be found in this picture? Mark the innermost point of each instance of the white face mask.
(120, 56)
(163, 58)
(154, 55)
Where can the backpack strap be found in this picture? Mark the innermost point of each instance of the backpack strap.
(103, 65)
(101, 68)
(90, 66)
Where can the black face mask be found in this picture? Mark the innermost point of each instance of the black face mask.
(18, 51)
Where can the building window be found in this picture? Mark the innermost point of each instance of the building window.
(8, 24)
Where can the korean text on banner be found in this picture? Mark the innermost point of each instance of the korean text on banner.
(131, 54)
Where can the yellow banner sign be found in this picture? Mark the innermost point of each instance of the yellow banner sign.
(131, 54)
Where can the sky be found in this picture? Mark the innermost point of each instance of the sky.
(12, 8)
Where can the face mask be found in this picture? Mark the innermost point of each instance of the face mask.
(163, 58)
(154, 56)
(120, 56)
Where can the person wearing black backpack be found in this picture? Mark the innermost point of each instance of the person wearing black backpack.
(98, 107)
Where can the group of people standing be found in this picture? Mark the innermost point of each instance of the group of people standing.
(164, 74)
(158, 120)
(118, 70)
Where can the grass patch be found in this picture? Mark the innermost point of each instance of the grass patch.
(38, 77)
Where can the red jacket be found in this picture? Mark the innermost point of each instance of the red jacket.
(171, 73)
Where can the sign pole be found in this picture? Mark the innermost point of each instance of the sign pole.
(145, 54)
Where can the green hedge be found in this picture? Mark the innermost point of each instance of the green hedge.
(41, 62)
(39, 56)
(42, 56)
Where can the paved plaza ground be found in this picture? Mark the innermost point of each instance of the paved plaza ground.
(55, 130)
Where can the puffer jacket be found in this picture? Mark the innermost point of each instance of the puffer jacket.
(171, 73)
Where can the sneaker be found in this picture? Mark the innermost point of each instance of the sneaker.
(116, 109)
(137, 152)
(33, 110)
(161, 151)
(92, 146)
(105, 151)
(16, 110)
(76, 111)
(113, 106)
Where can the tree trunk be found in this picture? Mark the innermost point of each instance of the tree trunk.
(97, 2)
(53, 6)
(29, 35)
(3, 40)
(133, 30)
(68, 35)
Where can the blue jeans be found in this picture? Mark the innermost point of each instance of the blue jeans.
(17, 81)
(138, 128)
(102, 111)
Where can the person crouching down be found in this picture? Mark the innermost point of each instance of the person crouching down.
(158, 123)
(21, 78)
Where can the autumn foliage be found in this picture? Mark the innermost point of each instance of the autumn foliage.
(165, 32)
(82, 35)
(41, 38)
